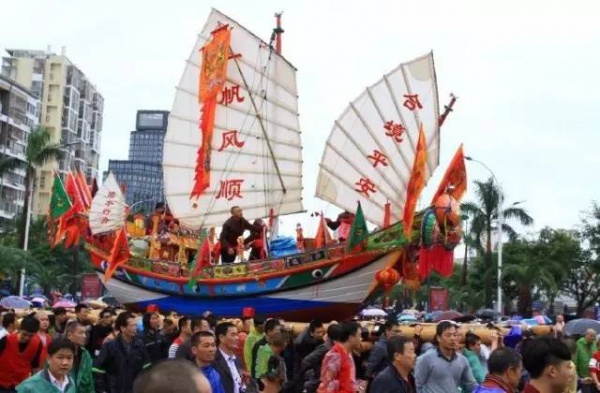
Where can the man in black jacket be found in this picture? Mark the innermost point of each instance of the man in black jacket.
(232, 229)
(122, 359)
(155, 342)
(378, 358)
(397, 377)
(310, 370)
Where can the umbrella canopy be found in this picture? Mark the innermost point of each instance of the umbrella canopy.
(39, 299)
(373, 312)
(64, 303)
(447, 316)
(579, 326)
(14, 302)
(407, 318)
(487, 313)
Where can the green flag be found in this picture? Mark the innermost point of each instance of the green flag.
(358, 231)
(59, 202)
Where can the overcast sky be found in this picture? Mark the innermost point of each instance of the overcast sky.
(526, 72)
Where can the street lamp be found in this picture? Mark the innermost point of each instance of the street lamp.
(28, 222)
(500, 225)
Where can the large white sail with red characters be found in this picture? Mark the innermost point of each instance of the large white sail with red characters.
(233, 137)
(371, 149)
(107, 212)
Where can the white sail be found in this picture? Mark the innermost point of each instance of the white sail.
(369, 154)
(260, 167)
(107, 212)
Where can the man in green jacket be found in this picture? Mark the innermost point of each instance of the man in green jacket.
(471, 352)
(82, 365)
(55, 378)
(255, 335)
(586, 346)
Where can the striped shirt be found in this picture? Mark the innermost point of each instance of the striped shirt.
(174, 347)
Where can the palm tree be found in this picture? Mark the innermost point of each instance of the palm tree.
(483, 217)
(40, 150)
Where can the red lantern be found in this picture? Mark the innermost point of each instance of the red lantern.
(387, 277)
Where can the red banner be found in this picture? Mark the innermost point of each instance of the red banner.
(213, 75)
(91, 286)
(439, 299)
(415, 184)
(455, 178)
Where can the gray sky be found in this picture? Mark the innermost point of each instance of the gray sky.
(526, 73)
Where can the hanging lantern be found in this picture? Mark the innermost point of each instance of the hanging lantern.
(447, 210)
(387, 278)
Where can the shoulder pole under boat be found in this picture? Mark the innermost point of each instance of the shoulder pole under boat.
(447, 109)
(260, 121)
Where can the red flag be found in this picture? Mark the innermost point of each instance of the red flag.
(415, 184)
(119, 254)
(84, 190)
(203, 258)
(73, 190)
(455, 178)
(323, 237)
(94, 188)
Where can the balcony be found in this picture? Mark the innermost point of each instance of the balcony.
(8, 210)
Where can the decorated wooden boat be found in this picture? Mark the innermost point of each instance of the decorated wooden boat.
(234, 139)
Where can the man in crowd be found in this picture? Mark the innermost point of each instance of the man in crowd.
(8, 324)
(100, 331)
(20, 355)
(548, 362)
(155, 342)
(185, 348)
(310, 368)
(444, 369)
(185, 332)
(122, 359)
(55, 377)
(379, 357)
(42, 316)
(505, 368)
(256, 333)
(227, 364)
(472, 352)
(174, 376)
(60, 320)
(397, 376)
(204, 348)
(82, 364)
(586, 346)
(82, 315)
(338, 372)
(232, 229)
(272, 328)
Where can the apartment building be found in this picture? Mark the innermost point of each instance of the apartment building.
(19, 113)
(141, 175)
(71, 109)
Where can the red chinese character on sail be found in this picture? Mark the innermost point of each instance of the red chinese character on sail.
(109, 203)
(112, 194)
(229, 94)
(106, 212)
(230, 138)
(378, 158)
(412, 102)
(394, 130)
(365, 186)
(104, 220)
(230, 189)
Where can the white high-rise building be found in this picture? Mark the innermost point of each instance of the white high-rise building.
(71, 109)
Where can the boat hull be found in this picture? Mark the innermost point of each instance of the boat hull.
(339, 297)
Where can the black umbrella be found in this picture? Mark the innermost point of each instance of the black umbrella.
(487, 314)
(579, 326)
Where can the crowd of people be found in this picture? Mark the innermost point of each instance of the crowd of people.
(121, 353)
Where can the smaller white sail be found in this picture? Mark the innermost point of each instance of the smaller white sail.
(107, 212)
